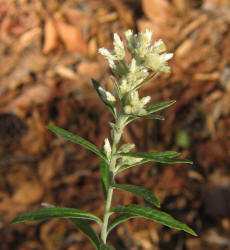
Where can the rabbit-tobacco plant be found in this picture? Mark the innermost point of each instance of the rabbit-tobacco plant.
(146, 61)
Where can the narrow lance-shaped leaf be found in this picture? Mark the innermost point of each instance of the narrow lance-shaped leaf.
(155, 215)
(159, 106)
(108, 105)
(104, 176)
(146, 80)
(144, 193)
(76, 139)
(85, 227)
(116, 87)
(55, 212)
(168, 154)
(126, 166)
(150, 116)
(154, 157)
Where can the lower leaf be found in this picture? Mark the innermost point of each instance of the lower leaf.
(55, 212)
(144, 193)
(155, 215)
(85, 227)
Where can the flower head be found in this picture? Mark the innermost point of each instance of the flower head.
(145, 58)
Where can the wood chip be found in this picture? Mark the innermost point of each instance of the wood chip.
(50, 36)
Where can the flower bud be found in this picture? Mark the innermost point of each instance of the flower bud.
(107, 148)
(125, 148)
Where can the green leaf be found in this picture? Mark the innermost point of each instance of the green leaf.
(156, 156)
(149, 116)
(144, 193)
(104, 176)
(159, 106)
(116, 87)
(55, 212)
(151, 109)
(126, 166)
(119, 219)
(146, 80)
(85, 227)
(155, 215)
(153, 116)
(168, 153)
(108, 105)
(76, 139)
(162, 157)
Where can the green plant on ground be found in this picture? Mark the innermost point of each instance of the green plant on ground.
(146, 61)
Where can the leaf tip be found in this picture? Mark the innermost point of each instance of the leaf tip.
(158, 205)
(13, 221)
(192, 232)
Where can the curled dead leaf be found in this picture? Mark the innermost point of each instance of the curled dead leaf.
(35, 95)
(157, 10)
(50, 35)
(28, 193)
(72, 37)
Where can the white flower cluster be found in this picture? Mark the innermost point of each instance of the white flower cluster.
(151, 56)
(135, 105)
(146, 58)
(117, 54)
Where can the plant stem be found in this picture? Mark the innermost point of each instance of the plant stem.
(106, 215)
(116, 138)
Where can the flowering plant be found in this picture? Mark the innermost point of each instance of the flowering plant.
(125, 104)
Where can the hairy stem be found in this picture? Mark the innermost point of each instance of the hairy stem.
(116, 138)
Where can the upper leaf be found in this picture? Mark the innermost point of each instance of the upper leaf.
(126, 166)
(108, 105)
(55, 212)
(148, 116)
(155, 215)
(144, 193)
(159, 106)
(85, 227)
(76, 139)
(162, 157)
(145, 81)
(116, 87)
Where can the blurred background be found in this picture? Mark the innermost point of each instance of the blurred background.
(48, 54)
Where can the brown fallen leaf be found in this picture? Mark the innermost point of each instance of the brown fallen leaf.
(157, 10)
(92, 47)
(27, 39)
(76, 17)
(125, 14)
(91, 69)
(50, 35)
(32, 96)
(51, 165)
(72, 37)
(28, 193)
